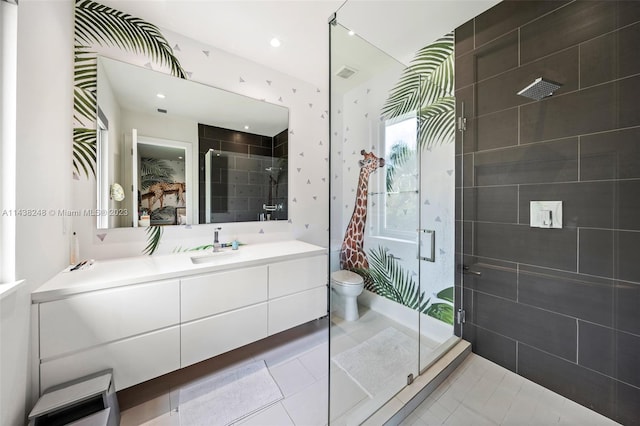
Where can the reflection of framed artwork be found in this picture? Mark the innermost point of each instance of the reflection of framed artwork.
(181, 215)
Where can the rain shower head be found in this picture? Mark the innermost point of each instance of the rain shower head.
(539, 89)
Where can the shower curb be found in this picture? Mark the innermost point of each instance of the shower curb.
(403, 404)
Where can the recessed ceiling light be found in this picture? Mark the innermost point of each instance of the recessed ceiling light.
(160, 95)
(351, 32)
(246, 127)
(180, 157)
(275, 42)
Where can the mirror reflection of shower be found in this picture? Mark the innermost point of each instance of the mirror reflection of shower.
(275, 206)
(275, 173)
(208, 161)
(244, 178)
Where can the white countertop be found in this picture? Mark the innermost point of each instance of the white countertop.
(104, 274)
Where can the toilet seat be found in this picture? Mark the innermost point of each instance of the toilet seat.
(344, 277)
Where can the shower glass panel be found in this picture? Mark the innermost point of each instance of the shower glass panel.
(372, 357)
(392, 222)
(437, 134)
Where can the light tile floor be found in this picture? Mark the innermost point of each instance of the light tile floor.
(480, 392)
(477, 393)
(296, 359)
(345, 335)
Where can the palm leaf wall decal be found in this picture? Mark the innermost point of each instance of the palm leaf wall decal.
(389, 279)
(446, 294)
(437, 121)
(386, 277)
(441, 311)
(96, 24)
(427, 87)
(154, 234)
(84, 149)
(85, 77)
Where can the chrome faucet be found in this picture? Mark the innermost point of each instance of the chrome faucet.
(216, 243)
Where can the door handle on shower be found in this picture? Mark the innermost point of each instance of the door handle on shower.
(432, 233)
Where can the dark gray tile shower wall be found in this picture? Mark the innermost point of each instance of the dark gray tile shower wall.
(558, 306)
(239, 181)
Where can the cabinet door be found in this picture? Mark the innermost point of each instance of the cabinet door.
(296, 275)
(296, 309)
(205, 338)
(220, 292)
(133, 360)
(104, 316)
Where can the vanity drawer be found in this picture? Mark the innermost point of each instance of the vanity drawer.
(133, 360)
(220, 292)
(100, 317)
(296, 275)
(290, 311)
(205, 338)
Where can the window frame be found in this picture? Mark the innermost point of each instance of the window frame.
(380, 227)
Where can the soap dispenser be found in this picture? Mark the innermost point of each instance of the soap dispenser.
(216, 243)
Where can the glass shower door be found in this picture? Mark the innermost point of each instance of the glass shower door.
(374, 217)
(402, 118)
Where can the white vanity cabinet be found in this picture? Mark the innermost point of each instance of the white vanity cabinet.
(297, 292)
(221, 312)
(226, 310)
(132, 329)
(145, 326)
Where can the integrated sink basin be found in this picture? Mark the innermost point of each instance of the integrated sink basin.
(211, 256)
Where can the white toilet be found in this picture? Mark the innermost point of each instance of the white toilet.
(348, 286)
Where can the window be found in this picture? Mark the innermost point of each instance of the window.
(397, 216)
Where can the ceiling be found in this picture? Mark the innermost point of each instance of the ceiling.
(245, 27)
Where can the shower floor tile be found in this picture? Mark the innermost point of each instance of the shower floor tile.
(497, 396)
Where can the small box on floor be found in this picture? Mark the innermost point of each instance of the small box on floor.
(88, 401)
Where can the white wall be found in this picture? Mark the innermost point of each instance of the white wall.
(44, 134)
(8, 71)
(44, 108)
(14, 330)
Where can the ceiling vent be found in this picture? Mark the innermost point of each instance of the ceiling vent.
(346, 72)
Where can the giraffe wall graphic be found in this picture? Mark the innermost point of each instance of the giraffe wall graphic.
(352, 255)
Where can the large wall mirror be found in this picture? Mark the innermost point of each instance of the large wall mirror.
(173, 152)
